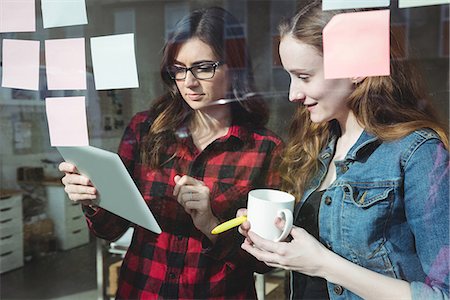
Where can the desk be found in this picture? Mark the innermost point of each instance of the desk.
(118, 247)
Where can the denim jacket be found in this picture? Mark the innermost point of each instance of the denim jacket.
(388, 211)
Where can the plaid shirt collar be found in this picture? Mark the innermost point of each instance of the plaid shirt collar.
(236, 134)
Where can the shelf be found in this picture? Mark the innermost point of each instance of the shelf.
(23, 102)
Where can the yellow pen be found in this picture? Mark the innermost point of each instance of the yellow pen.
(229, 224)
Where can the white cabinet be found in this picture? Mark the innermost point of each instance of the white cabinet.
(70, 224)
(11, 231)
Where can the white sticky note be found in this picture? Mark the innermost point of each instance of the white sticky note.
(357, 44)
(348, 4)
(114, 62)
(415, 3)
(65, 64)
(57, 13)
(17, 16)
(67, 122)
(20, 64)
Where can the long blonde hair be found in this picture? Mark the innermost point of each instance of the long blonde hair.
(390, 107)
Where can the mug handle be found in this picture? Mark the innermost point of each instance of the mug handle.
(285, 214)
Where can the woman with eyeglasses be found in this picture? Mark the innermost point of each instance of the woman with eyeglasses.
(194, 161)
(369, 164)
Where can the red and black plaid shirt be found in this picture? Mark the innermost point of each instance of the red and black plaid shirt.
(181, 262)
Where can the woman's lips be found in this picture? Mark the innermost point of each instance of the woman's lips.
(310, 107)
(195, 97)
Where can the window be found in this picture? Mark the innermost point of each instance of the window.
(400, 29)
(24, 136)
(444, 40)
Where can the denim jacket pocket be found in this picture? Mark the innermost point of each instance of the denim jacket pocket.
(367, 195)
(367, 208)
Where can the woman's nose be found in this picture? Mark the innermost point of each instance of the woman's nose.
(190, 79)
(296, 96)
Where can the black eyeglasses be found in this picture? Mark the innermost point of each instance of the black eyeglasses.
(200, 71)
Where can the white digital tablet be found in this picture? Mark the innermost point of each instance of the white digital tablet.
(117, 191)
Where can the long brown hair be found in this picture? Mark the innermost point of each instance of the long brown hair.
(170, 110)
(389, 107)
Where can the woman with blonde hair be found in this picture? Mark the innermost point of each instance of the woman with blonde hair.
(369, 163)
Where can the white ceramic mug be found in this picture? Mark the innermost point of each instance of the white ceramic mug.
(264, 206)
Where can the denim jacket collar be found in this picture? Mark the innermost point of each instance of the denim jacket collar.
(363, 146)
(365, 139)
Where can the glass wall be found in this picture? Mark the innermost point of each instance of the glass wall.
(24, 138)
(25, 141)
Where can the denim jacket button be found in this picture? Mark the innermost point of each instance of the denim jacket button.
(344, 168)
(327, 200)
(338, 290)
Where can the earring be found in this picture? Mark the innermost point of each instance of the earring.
(357, 80)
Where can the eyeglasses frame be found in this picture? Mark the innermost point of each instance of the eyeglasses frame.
(214, 66)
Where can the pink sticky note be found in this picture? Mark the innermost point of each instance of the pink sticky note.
(357, 44)
(17, 16)
(67, 122)
(20, 64)
(65, 64)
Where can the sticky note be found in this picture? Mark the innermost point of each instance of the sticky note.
(65, 64)
(67, 122)
(17, 16)
(415, 3)
(114, 62)
(357, 44)
(58, 13)
(348, 4)
(20, 64)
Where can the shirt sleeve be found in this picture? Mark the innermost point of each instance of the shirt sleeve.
(427, 211)
(105, 225)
